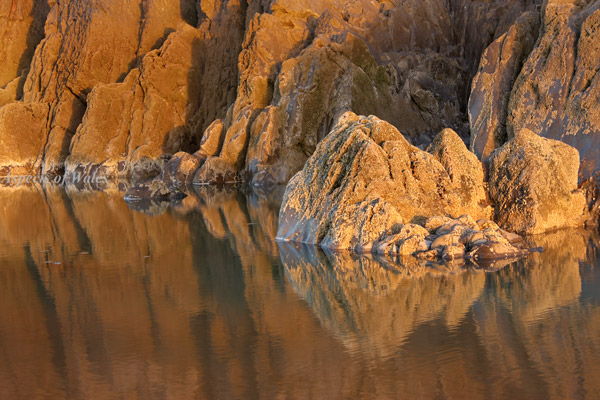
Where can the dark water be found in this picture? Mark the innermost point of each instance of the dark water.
(99, 301)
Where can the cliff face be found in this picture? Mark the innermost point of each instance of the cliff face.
(21, 30)
(119, 86)
(408, 64)
(552, 90)
(86, 43)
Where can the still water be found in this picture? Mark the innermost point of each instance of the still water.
(196, 301)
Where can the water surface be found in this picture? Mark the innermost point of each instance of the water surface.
(99, 300)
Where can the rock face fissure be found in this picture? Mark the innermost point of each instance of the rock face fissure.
(547, 83)
(274, 74)
(167, 94)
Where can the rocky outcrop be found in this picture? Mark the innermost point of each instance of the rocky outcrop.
(490, 92)
(556, 90)
(533, 182)
(164, 105)
(365, 181)
(398, 62)
(148, 114)
(276, 75)
(452, 239)
(21, 30)
(346, 76)
(82, 48)
(367, 189)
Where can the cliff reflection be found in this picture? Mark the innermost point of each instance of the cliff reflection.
(196, 300)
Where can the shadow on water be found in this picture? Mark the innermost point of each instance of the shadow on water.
(196, 300)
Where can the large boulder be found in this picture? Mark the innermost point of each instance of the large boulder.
(365, 180)
(533, 183)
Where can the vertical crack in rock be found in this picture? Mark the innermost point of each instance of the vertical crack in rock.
(277, 73)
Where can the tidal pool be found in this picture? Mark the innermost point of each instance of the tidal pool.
(104, 300)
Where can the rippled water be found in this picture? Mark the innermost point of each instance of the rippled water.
(196, 301)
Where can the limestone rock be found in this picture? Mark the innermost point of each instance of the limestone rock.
(556, 94)
(490, 91)
(347, 77)
(165, 103)
(410, 239)
(85, 44)
(298, 74)
(212, 140)
(464, 238)
(21, 30)
(365, 179)
(216, 171)
(434, 223)
(11, 91)
(144, 116)
(533, 182)
(464, 169)
(276, 75)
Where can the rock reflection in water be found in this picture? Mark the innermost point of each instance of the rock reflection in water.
(99, 300)
(373, 305)
(520, 332)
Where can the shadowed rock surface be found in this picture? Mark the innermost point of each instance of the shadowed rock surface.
(165, 104)
(21, 30)
(500, 65)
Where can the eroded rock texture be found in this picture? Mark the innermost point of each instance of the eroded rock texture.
(533, 182)
(164, 105)
(555, 93)
(21, 29)
(276, 73)
(409, 64)
(87, 43)
(500, 65)
(365, 181)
